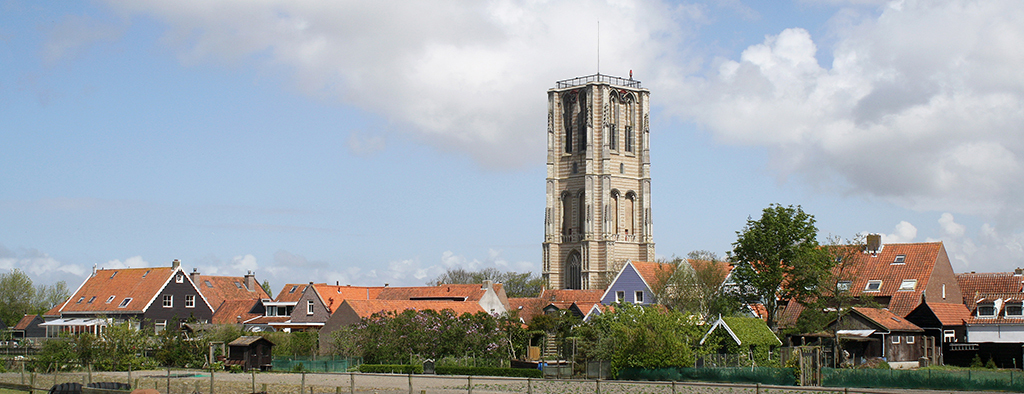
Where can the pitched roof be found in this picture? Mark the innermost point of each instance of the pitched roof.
(230, 311)
(218, 289)
(886, 319)
(115, 285)
(950, 314)
(332, 296)
(652, 273)
(25, 322)
(527, 308)
(571, 296)
(366, 308)
(458, 292)
(55, 311)
(976, 286)
(918, 263)
(291, 292)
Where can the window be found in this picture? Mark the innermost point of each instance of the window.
(613, 137)
(309, 307)
(908, 284)
(159, 326)
(94, 299)
(271, 311)
(168, 301)
(910, 339)
(900, 259)
(112, 275)
(208, 284)
(620, 296)
(238, 285)
(179, 279)
(629, 139)
(987, 310)
(949, 336)
(622, 168)
(190, 301)
(895, 338)
(108, 299)
(146, 273)
(638, 297)
(125, 302)
(873, 285)
(1015, 309)
(293, 289)
(568, 100)
(80, 300)
(843, 285)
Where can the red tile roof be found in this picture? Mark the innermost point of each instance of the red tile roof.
(55, 311)
(653, 273)
(887, 319)
(332, 296)
(975, 286)
(465, 292)
(234, 311)
(570, 296)
(527, 308)
(291, 292)
(950, 314)
(139, 284)
(217, 289)
(24, 322)
(366, 308)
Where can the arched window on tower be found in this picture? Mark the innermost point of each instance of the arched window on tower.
(629, 134)
(615, 212)
(568, 102)
(566, 213)
(613, 127)
(581, 214)
(629, 214)
(581, 121)
(573, 271)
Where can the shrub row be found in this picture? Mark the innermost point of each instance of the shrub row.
(489, 371)
(391, 368)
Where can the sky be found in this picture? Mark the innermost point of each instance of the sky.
(366, 143)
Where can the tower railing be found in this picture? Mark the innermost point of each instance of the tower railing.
(627, 82)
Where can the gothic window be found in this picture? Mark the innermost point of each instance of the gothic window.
(615, 211)
(566, 214)
(581, 215)
(568, 100)
(613, 128)
(581, 121)
(629, 134)
(630, 213)
(573, 272)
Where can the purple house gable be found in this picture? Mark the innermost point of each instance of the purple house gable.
(629, 282)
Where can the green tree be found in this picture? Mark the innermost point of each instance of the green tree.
(266, 288)
(16, 296)
(633, 336)
(46, 297)
(694, 285)
(526, 284)
(777, 258)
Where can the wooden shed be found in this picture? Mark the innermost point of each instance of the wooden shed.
(251, 352)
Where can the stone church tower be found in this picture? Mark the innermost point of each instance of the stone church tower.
(599, 181)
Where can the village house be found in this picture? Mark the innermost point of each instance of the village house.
(995, 325)
(869, 333)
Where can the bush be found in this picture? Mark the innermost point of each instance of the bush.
(486, 371)
(990, 364)
(976, 362)
(391, 368)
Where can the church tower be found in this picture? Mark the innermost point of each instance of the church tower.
(599, 181)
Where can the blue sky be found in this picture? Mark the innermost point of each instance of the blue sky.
(370, 143)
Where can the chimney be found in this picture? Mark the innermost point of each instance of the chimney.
(874, 243)
(195, 276)
(176, 264)
(250, 281)
(488, 284)
(1018, 272)
(94, 270)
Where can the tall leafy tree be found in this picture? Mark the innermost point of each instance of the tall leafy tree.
(777, 258)
(47, 297)
(16, 296)
(526, 284)
(694, 285)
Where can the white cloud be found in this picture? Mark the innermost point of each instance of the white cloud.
(41, 267)
(131, 262)
(904, 232)
(989, 250)
(462, 76)
(911, 110)
(243, 264)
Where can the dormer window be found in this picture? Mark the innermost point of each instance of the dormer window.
(1014, 309)
(91, 300)
(109, 300)
(293, 289)
(112, 275)
(125, 302)
(843, 285)
(900, 259)
(80, 300)
(908, 284)
(987, 309)
(873, 285)
(208, 284)
(146, 273)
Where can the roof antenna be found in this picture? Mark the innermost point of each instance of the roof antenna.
(598, 47)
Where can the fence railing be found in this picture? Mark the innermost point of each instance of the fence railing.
(568, 83)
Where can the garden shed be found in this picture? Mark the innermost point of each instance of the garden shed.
(742, 336)
(251, 352)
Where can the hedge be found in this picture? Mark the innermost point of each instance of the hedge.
(391, 368)
(488, 371)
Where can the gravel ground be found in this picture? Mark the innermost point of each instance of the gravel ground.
(191, 381)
